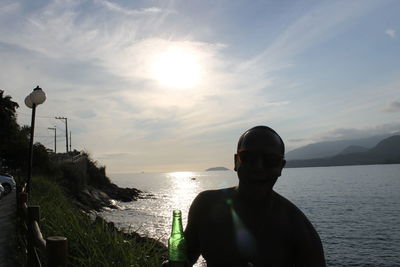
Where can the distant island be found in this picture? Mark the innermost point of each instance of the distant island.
(217, 169)
(386, 151)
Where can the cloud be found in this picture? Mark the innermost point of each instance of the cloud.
(319, 24)
(94, 58)
(297, 140)
(391, 33)
(127, 11)
(393, 106)
(354, 133)
(114, 156)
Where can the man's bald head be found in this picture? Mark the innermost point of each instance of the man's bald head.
(261, 135)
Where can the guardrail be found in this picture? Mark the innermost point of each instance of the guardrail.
(56, 247)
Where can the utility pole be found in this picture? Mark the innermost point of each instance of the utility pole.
(55, 138)
(70, 141)
(66, 131)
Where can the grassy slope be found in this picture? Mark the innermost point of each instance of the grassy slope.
(89, 243)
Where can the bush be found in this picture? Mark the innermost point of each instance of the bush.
(97, 174)
(73, 177)
(91, 243)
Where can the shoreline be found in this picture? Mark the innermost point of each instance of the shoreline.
(93, 241)
(93, 200)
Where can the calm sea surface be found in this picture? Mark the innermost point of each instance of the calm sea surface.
(355, 209)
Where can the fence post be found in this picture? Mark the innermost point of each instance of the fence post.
(33, 215)
(57, 251)
(18, 190)
(22, 198)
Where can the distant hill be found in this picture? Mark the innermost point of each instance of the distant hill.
(332, 148)
(217, 169)
(386, 151)
(353, 149)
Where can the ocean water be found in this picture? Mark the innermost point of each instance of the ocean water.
(355, 209)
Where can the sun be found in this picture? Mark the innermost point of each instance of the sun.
(177, 67)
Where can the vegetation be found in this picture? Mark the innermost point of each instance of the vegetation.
(91, 242)
(14, 143)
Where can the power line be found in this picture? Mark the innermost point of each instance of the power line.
(66, 131)
(28, 115)
(55, 137)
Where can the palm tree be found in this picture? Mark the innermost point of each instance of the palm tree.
(9, 127)
(7, 108)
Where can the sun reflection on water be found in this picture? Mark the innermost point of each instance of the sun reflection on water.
(184, 188)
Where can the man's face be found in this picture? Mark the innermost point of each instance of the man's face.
(259, 161)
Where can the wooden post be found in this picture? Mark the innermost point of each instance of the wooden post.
(57, 251)
(33, 215)
(18, 190)
(22, 199)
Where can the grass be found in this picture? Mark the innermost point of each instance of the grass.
(90, 243)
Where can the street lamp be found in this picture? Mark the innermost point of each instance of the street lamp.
(35, 98)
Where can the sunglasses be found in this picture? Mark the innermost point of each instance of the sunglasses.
(268, 160)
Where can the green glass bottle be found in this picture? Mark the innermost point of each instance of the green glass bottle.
(177, 242)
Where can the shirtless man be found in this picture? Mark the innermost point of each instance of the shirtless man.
(252, 225)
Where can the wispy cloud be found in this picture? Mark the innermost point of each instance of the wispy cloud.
(391, 33)
(315, 26)
(115, 156)
(94, 60)
(128, 11)
(393, 106)
(354, 133)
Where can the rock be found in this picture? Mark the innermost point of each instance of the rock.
(121, 194)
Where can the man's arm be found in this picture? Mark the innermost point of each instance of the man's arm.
(308, 246)
(192, 231)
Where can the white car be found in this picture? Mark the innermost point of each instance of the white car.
(2, 192)
(8, 182)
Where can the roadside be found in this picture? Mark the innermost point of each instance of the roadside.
(8, 210)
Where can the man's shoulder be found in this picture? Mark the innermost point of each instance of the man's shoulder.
(216, 194)
(215, 200)
(213, 197)
(284, 204)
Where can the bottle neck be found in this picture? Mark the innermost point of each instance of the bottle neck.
(177, 223)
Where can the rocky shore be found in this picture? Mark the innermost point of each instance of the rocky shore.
(95, 198)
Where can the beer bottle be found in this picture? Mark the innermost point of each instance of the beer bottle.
(177, 242)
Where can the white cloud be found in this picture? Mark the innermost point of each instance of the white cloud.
(319, 24)
(110, 95)
(94, 66)
(393, 106)
(354, 133)
(391, 33)
(128, 11)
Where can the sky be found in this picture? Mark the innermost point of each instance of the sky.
(163, 86)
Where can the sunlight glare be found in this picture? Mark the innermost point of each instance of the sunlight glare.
(177, 67)
(184, 189)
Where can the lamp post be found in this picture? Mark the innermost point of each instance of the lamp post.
(35, 98)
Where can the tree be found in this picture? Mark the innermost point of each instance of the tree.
(14, 140)
(8, 121)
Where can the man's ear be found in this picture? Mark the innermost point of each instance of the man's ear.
(281, 167)
(236, 162)
(283, 163)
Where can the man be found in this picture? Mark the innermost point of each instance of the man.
(252, 225)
